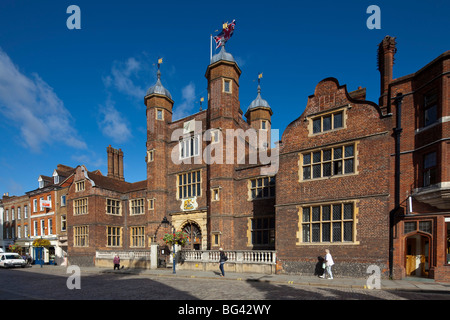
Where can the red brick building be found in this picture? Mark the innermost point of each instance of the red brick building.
(333, 183)
(47, 213)
(420, 165)
(15, 221)
(187, 164)
(368, 181)
(105, 213)
(396, 188)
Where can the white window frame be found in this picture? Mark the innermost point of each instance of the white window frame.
(50, 226)
(42, 227)
(190, 147)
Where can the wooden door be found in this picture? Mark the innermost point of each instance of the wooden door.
(410, 256)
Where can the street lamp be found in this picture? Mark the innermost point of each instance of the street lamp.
(174, 259)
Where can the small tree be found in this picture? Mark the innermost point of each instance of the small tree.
(41, 243)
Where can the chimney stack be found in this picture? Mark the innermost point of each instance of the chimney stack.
(386, 51)
(115, 163)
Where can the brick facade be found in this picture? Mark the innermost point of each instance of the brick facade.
(362, 182)
(421, 226)
(351, 177)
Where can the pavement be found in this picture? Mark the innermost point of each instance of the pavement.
(407, 284)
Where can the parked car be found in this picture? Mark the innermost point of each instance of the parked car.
(11, 259)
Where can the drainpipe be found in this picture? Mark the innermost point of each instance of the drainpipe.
(397, 134)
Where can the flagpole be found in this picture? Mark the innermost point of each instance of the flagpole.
(210, 48)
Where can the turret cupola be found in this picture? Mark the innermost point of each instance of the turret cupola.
(159, 100)
(158, 88)
(259, 112)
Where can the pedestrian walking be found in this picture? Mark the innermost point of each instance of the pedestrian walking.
(29, 259)
(328, 264)
(116, 262)
(222, 260)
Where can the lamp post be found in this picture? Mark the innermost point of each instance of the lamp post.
(174, 259)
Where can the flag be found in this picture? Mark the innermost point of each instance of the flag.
(160, 60)
(226, 34)
(218, 39)
(260, 75)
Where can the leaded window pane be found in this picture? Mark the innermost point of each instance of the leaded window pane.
(315, 232)
(307, 158)
(326, 234)
(348, 231)
(306, 214)
(317, 125)
(316, 171)
(348, 211)
(349, 151)
(327, 155)
(327, 123)
(326, 169)
(306, 173)
(306, 233)
(337, 227)
(349, 166)
(316, 214)
(425, 226)
(338, 120)
(410, 226)
(326, 216)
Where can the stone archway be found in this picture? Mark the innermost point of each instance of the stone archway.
(194, 232)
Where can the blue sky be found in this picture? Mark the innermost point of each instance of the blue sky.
(65, 95)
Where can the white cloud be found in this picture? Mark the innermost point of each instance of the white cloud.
(125, 79)
(113, 124)
(123, 76)
(31, 105)
(188, 103)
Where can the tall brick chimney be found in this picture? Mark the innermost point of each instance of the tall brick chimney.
(115, 163)
(386, 51)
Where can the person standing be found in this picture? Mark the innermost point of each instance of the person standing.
(116, 262)
(328, 264)
(222, 260)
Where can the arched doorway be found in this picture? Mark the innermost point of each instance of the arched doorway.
(417, 255)
(195, 235)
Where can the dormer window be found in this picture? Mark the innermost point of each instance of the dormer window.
(41, 183)
(328, 122)
(79, 186)
(56, 179)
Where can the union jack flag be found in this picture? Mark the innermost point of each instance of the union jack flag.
(226, 34)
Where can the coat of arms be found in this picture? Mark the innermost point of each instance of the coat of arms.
(189, 204)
